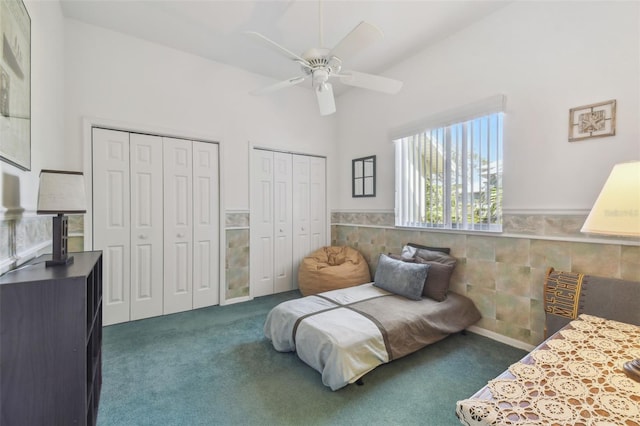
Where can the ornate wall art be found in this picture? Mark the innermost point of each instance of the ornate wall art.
(592, 121)
(15, 84)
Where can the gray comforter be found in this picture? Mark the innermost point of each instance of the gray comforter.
(344, 334)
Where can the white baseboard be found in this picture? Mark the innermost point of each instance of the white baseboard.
(236, 300)
(500, 338)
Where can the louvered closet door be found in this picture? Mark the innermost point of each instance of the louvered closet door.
(206, 229)
(178, 225)
(146, 226)
(111, 222)
(261, 224)
(282, 214)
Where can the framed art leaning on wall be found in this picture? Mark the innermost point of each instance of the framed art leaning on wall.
(15, 84)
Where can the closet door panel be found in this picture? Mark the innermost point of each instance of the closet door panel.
(301, 228)
(178, 225)
(146, 226)
(261, 223)
(317, 203)
(111, 219)
(282, 250)
(206, 258)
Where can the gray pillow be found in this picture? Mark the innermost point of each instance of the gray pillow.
(402, 278)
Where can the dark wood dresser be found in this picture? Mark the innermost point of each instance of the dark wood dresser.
(51, 342)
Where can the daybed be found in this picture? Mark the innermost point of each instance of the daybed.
(345, 333)
(576, 376)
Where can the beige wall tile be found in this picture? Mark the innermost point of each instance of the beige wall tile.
(512, 250)
(513, 309)
(481, 273)
(545, 254)
(513, 279)
(484, 299)
(630, 263)
(596, 259)
(481, 248)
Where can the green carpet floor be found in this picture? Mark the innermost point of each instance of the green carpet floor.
(213, 366)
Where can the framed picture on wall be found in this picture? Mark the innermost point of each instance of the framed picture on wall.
(15, 84)
(363, 171)
(592, 121)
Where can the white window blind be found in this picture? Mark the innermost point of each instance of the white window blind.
(449, 175)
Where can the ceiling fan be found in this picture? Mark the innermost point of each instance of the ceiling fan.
(321, 64)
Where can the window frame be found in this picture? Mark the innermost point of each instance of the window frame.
(437, 131)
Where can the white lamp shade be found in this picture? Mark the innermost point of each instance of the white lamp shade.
(617, 209)
(61, 192)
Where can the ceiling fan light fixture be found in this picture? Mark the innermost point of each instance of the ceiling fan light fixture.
(320, 77)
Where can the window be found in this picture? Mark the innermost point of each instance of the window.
(449, 176)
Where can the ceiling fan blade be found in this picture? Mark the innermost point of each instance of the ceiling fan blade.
(359, 38)
(326, 102)
(280, 85)
(277, 48)
(371, 82)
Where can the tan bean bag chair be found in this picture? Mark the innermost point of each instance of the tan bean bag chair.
(329, 268)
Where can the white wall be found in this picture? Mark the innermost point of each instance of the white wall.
(20, 188)
(546, 57)
(115, 77)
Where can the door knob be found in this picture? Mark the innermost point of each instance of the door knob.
(142, 237)
(180, 235)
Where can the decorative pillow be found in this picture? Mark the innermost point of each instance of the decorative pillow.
(436, 286)
(402, 278)
(420, 246)
(431, 255)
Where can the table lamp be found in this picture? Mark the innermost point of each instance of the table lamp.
(61, 192)
(617, 212)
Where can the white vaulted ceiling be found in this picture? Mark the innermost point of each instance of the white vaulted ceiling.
(215, 29)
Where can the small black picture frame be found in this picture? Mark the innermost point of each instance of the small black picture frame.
(363, 172)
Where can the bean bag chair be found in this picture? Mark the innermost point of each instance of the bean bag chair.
(329, 268)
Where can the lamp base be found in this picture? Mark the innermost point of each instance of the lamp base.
(59, 262)
(59, 256)
(632, 369)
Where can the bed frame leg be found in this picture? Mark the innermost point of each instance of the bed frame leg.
(359, 382)
(464, 332)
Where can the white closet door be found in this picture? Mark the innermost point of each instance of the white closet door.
(301, 215)
(178, 225)
(206, 259)
(261, 224)
(111, 222)
(317, 203)
(282, 250)
(146, 226)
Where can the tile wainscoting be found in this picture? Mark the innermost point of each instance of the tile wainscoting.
(25, 237)
(237, 254)
(503, 273)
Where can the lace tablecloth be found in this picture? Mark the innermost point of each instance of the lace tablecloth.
(576, 378)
